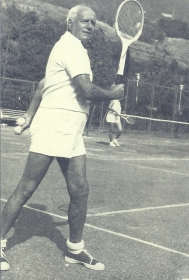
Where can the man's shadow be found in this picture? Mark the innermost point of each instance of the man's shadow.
(33, 223)
(103, 143)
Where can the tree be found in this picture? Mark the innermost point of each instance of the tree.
(102, 60)
(174, 28)
(151, 32)
(9, 43)
(26, 43)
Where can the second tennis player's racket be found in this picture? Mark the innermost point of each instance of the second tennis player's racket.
(128, 119)
(129, 23)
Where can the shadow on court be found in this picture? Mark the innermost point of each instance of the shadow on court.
(103, 143)
(32, 223)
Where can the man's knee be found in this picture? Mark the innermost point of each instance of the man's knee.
(25, 190)
(79, 189)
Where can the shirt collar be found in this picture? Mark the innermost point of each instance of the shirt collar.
(71, 38)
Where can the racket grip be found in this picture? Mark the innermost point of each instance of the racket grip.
(119, 79)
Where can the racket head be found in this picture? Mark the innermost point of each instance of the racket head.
(128, 119)
(129, 21)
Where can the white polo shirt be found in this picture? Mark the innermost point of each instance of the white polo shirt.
(67, 60)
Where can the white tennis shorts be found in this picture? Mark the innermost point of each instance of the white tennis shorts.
(58, 133)
(112, 118)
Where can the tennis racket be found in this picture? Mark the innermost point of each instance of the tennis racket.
(128, 119)
(129, 23)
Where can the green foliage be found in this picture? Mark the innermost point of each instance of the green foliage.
(151, 32)
(105, 10)
(161, 71)
(102, 62)
(15, 94)
(174, 28)
(160, 79)
(26, 43)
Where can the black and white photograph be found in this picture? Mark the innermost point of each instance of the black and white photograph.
(94, 140)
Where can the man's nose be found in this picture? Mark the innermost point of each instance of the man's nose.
(89, 25)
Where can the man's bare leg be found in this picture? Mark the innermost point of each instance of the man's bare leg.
(36, 168)
(74, 171)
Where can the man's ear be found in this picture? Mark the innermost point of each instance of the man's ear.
(69, 24)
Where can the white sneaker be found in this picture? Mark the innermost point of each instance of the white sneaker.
(85, 259)
(76, 254)
(4, 262)
(116, 143)
(111, 144)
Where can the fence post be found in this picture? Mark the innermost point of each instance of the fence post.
(101, 127)
(32, 91)
(90, 121)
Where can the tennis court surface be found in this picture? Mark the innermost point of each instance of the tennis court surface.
(138, 210)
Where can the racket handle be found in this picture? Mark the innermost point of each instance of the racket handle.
(119, 79)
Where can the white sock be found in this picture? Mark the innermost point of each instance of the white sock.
(75, 248)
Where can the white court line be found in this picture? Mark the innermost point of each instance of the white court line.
(113, 232)
(14, 155)
(145, 167)
(16, 143)
(139, 240)
(156, 159)
(88, 137)
(41, 211)
(158, 169)
(138, 210)
(142, 159)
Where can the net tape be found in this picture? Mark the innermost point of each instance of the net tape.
(153, 119)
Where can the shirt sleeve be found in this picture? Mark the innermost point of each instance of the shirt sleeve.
(77, 62)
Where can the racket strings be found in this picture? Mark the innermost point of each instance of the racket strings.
(130, 18)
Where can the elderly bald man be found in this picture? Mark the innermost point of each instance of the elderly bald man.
(57, 120)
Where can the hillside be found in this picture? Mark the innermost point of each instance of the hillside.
(172, 48)
(177, 49)
(179, 9)
(154, 8)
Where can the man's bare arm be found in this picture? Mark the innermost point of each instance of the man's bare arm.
(94, 93)
(34, 105)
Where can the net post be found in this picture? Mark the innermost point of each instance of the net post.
(174, 113)
(152, 105)
(125, 102)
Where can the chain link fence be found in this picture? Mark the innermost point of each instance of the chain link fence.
(141, 99)
(152, 101)
(16, 94)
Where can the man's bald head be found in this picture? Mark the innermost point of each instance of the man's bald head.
(81, 22)
(73, 12)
